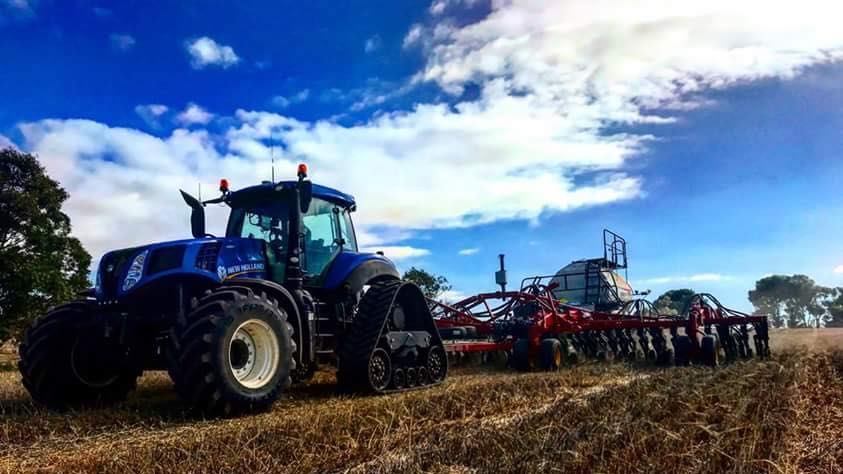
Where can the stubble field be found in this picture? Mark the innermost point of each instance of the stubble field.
(779, 415)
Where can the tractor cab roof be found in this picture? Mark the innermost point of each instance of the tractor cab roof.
(267, 191)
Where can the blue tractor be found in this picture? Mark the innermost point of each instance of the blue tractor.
(237, 319)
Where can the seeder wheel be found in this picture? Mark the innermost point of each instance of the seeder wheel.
(550, 354)
(682, 350)
(709, 350)
(521, 355)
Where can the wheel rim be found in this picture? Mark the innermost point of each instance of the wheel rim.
(94, 368)
(379, 369)
(253, 353)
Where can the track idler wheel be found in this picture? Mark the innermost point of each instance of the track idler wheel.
(436, 364)
(380, 369)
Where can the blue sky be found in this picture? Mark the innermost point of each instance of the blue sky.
(708, 135)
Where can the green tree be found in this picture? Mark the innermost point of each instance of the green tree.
(41, 265)
(834, 307)
(792, 300)
(673, 301)
(433, 286)
(769, 297)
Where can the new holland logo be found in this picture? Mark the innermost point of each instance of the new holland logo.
(233, 270)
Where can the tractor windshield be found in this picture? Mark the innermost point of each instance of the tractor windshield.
(326, 227)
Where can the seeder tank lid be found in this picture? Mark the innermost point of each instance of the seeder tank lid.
(264, 190)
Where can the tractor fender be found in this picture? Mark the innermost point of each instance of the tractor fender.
(286, 300)
(357, 269)
(368, 272)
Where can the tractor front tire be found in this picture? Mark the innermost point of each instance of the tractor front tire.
(233, 353)
(66, 360)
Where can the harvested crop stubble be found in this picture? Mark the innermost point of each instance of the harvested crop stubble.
(781, 415)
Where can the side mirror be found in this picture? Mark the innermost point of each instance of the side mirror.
(197, 215)
(305, 195)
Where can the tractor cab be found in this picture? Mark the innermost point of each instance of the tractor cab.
(304, 228)
(268, 212)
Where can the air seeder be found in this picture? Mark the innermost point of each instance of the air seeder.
(237, 319)
(589, 309)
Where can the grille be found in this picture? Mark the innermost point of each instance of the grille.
(206, 259)
(112, 267)
(166, 258)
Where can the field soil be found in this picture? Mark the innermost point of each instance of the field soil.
(782, 415)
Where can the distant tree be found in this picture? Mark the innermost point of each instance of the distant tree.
(433, 286)
(673, 301)
(834, 307)
(792, 300)
(41, 265)
(769, 297)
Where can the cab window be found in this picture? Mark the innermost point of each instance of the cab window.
(321, 236)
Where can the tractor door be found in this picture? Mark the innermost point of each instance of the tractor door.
(270, 225)
(327, 231)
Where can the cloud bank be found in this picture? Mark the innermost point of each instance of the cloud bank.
(550, 78)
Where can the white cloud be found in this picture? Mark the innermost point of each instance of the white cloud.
(205, 51)
(470, 251)
(284, 102)
(551, 77)
(194, 114)
(122, 42)
(608, 59)
(700, 277)
(453, 296)
(6, 143)
(413, 36)
(438, 7)
(373, 44)
(838, 269)
(399, 252)
(150, 113)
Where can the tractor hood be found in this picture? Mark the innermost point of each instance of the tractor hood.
(125, 271)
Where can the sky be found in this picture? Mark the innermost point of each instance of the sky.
(708, 134)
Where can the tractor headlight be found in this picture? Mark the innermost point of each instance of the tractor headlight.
(135, 272)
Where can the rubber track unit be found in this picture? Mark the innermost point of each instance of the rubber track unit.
(365, 331)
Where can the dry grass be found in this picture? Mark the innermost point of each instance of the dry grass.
(780, 415)
(806, 339)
